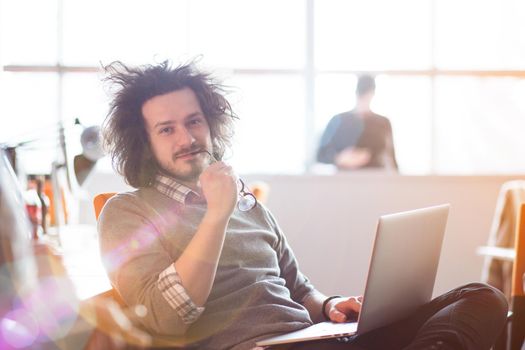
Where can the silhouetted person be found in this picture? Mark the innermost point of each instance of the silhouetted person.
(359, 138)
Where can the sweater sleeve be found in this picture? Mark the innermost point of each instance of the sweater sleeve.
(297, 283)
(135, 258)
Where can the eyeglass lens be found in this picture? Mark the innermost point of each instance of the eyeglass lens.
(247, 200)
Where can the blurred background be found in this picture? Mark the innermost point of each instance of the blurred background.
(450, 77)
(450, 74)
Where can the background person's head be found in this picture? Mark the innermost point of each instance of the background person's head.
(125, 134)
(365, 90)
(366, 83)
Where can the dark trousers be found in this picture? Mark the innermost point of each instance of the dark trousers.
(469, 317)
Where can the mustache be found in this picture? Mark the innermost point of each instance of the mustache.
(192, 149)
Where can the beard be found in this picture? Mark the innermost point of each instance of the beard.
(186, 171)
(189, 175)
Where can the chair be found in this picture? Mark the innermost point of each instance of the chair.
(517, 301)
(100, 200)
(514, 336)
(497, 269)
(504, 258)
(98, 204)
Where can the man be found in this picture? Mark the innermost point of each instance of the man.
(359, 138)
(210, 275)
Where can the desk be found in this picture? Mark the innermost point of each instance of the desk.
(81, 257)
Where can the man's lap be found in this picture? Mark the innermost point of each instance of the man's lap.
(435, 315)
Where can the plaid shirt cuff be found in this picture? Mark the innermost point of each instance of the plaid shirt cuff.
(170, 285)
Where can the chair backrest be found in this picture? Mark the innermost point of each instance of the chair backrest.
(98, 203)
(519, 262)
(100, 200)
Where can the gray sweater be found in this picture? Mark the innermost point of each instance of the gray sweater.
(257, 289)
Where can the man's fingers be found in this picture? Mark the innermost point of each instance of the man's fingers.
(349, 305)
(218, 168)
(345, 310)
(337, 316)
(219, 165)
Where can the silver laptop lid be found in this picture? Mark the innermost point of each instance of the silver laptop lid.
(403, 265)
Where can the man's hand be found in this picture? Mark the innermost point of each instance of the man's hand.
(344, 309)
(352, 158)
(219, 187)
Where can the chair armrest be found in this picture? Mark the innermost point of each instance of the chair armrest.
(507, 254)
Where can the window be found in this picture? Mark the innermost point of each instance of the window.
(372, 34)
(29, 117)
(135, 32)
(450, 75)
(28, 32)
(478, 123)
(484, 34)
(240, 34)
(270, 135)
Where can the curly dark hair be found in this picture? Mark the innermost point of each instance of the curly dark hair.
(124, 130)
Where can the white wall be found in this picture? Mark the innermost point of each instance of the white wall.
(330, 220)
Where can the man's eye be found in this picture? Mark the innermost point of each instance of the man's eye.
(195, 122)
(166, 130)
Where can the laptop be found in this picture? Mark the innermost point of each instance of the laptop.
(401, 275)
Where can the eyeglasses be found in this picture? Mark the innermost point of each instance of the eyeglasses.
(247, 200)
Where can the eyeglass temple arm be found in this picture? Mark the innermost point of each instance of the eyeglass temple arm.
(211, 155)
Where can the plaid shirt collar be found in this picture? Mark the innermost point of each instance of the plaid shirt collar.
(170, 187)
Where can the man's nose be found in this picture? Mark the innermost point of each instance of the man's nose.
(185, 137)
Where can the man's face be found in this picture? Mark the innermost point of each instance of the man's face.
(178, 134)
